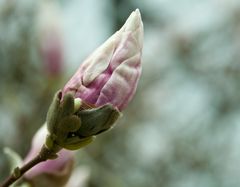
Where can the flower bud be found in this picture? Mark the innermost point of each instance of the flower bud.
(52, 171)
(90, 102)
(111, 73)
(50, 37)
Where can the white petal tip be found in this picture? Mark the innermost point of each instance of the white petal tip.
(135, 16)
(133, 21)
(137, 11)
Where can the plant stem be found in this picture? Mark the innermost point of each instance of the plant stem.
(13, 177)
(44, 155)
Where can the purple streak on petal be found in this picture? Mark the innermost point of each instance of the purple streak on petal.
(121, 87)
(92, 91)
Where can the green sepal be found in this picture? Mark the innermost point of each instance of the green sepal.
(53, 112)
(67, 125)
(76, 143)
(71, 129)
(59, 110)
(60, 120)
(49, 142)
(97, 120)
(67, 105)
(70, 124)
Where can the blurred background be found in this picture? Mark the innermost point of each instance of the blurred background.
(183, 127)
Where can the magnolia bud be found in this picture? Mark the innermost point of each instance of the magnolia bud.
(103, 85)
(52, 171)
(50, 37)
(111, 73)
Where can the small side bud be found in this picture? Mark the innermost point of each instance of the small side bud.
(16, 172)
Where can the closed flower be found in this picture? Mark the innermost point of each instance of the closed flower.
(111, 73)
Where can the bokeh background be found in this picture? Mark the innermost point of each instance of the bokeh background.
(183, 127)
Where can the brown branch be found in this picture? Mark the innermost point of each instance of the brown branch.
(44, 155)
